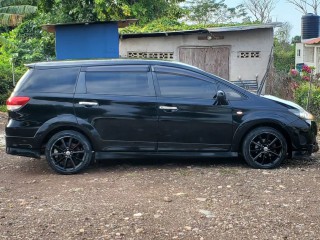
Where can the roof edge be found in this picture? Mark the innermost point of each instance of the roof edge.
(203, 30)
(121, 24)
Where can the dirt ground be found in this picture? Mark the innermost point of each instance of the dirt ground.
(159, 199)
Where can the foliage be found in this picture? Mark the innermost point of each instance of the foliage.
(62, 11)
(3, 108)
(159, 25)
(302, 83)
(6, 84)
(12, 12)
(167, 25)
(211, 11)
(147, 11)
(296, 39)
(284, 54)
(31, 43)
(301, 97)
(28, 44)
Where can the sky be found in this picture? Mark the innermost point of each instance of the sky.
(283, 12)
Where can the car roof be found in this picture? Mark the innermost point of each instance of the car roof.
(108, 62)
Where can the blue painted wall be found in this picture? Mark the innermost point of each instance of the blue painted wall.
(95, 40)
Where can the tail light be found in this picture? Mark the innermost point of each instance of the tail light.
(14, 103)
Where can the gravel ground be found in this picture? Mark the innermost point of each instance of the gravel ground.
(159, 199)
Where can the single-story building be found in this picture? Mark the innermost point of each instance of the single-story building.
(308, 52)
(235, 53)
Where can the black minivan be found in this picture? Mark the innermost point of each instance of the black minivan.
(77, 111)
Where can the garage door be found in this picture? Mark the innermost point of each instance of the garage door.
(211, 59)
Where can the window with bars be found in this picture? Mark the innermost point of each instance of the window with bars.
(249, 54)
(151, 55)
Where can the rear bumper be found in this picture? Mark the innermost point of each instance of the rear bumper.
(27, 147)
(23, 152)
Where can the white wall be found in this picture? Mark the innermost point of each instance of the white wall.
(299, 49)
(249, 40)
(309, 55)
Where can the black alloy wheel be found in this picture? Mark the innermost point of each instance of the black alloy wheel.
(68, 152)
(264, 147)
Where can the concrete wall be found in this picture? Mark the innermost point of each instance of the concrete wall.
(309, 55)
(239, 41)
(87, 41)
(299, 53)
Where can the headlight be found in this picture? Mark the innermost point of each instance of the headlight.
(301, 113)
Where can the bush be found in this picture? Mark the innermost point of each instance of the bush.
(6, 84)
(3, 108)
(301, 97)
(28, 44)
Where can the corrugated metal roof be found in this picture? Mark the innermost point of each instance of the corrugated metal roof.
(121, 24)
(159, 34)
(205, 30)
(312, 41)
(244, 27)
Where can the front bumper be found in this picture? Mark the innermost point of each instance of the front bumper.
(304, 137)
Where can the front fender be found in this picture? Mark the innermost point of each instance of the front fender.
(245, 124)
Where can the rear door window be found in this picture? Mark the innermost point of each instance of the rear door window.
(130, 83)
(55, 80)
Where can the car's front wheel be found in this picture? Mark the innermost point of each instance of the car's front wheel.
(264, 147)
(68, 152)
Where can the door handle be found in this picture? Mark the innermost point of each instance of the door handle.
(89, 103)
(168, 108)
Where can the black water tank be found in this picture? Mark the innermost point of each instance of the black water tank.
(310, 26)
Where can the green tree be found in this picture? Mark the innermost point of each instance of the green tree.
(65, 11)
(212, 11)
(100, 10)
(296, 39)
(12, 11)
(284, 54)
(284, 51)
(147, 11)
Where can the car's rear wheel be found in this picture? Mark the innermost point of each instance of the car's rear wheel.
(68, 152)
(264, 147)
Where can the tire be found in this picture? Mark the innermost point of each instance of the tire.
(264, 148)
(68, 152)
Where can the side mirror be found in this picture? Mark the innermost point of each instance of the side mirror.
(221, 98)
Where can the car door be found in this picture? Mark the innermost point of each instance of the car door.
(189, 118)
(119, 103)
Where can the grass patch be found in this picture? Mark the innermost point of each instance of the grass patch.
(3, 108)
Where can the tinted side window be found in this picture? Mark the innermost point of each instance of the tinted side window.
(119, 83)
(57, 80)
(172, 85)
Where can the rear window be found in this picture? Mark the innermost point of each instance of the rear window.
(56, 80)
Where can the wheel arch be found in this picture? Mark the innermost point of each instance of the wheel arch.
(243, 131)
(53, 130)
(60, 129)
